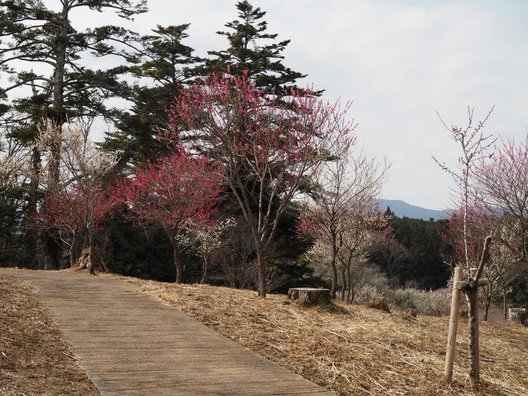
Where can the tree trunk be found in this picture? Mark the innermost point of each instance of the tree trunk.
(344, 286)
(204, 271)
(261, 265)
(51, 240)
(32, 235)
(58, 113)
(504, 305)
(333, 289)
(349, 282)
(474, 358)
(486, 309)
(72, 250)
(488, 302)
(178, 264)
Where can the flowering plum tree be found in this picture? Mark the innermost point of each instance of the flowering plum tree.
(205, 238)
(344, 211)
(503, 179)
(269, 150)
(176, 190)
(77, 204)
(75, 212)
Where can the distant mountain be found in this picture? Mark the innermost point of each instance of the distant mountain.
(403, 209)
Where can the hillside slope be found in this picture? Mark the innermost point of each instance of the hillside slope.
(355, 350)
(352, 350)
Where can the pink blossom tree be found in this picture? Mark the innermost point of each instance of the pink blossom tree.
(178, 189)
(269, 150)
(78, 201)
(75, 213)
(503, 180)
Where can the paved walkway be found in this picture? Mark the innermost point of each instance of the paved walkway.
(130, 344)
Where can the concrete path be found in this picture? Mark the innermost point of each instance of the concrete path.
(130, 344)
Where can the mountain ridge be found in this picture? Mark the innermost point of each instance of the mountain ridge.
(403, 209)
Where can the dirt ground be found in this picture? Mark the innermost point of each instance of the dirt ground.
(34, 358)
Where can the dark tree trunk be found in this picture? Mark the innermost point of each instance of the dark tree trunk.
(344, 286)
(349, 285)
(261, 265)
(333, 259)
(504, 305)
(53, 248)
(474, 358)
(487, 308)
(58, 115)
(178, 264)
(204, 271)
(32, 234)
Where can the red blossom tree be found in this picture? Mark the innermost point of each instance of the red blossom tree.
(178, 189)
(269, 150)
(76, 204)
(75, 212)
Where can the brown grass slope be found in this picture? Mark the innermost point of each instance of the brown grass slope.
(355, 350)
(34, 358)
(352, 350)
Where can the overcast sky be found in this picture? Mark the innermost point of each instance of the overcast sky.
(399, 61)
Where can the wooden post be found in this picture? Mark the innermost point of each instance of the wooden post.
(453, 323)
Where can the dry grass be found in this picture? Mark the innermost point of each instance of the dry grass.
(34, 358)
(355, 350)
(352, 350)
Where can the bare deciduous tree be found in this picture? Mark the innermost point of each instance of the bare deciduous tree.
(344, 212)
(474, 146)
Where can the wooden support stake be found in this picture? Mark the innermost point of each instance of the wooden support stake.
(463, 284)
(453, 323)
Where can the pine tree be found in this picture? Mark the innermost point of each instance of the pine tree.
(41, 39)
(42, 51)
(161, 67)
(254, 51)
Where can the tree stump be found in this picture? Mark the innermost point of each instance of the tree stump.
(379, 303)
(518, 315)
(307, 296)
